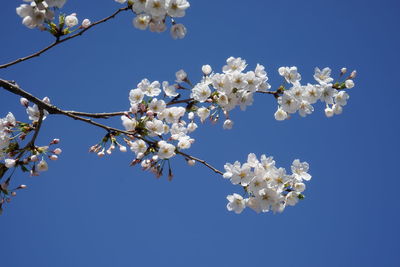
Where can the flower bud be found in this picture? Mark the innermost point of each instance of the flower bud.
(71, 20)
(57, 151)
(86, 23)
(343, 71)
(181, 76)
(150, 114)
(191, 162)
(353, 74)
(22, 186)
(228, 124)
(349, 84)
(24, 102)
(280, 115)
(55, 141)
(46, 100)
(329, 112)
(33, 158)
(206, 69)
(299, 187)
(53, 157)
(10, 163)
(13, 194)
(122, 148)
(178, 31)
(101, 153)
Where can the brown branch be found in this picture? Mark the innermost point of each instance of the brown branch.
(59, 41)
(31, 143)
(37, 129)
(180, 101)
(103, 115)
(201, 161)
(15, 89)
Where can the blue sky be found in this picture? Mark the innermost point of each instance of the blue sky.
(87, 211)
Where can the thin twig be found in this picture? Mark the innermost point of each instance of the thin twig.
(103, 115)
(201, 161)
(59, 41)
(31, 143)
(15, 89)
(179, 101)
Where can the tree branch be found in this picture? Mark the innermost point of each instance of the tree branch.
(201, 161)
(103, 115)
(59, 41)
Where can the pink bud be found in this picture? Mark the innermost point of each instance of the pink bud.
(55, 141)
(53, 157)
(22, 186)
(57, 151)
(150, 114)
(13, 194)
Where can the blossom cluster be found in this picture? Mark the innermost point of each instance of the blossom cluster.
(152, 14)
(6, 126)
(31, 157)
(266, 186)
(300, 98)
(38, 11)
(160, 120)
(40, 14)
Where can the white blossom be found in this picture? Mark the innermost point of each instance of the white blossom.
(201, 92)
(178, 31)
(156, 7)
(176, 8)
(149, 89)
(290, 74)
(234, 65)
(203, 113)
(128, 123)
(165, 150)
(300, 170)
(181, 76)
(139, 146)
(157, 106)
(169, 90)
(323, 76)
(236, 203)
(141, 21)
(42, 166)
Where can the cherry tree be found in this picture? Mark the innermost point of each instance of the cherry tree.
(161, 116)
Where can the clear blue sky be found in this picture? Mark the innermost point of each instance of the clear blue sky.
(87, 211)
